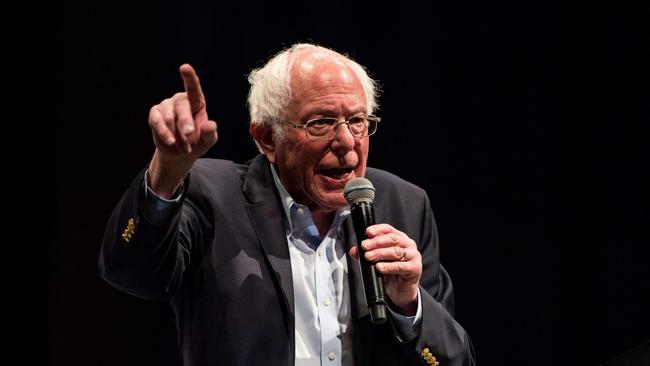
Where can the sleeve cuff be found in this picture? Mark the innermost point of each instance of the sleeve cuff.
(408, 327)
(156, 209)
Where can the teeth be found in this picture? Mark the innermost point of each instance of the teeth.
(336, 173)
(337, 176)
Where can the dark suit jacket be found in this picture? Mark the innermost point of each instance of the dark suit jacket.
(222, 261)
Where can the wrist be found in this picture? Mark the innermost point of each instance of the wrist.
(166, 174)
(405, 303)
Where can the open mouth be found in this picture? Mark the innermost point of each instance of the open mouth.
(336, 173)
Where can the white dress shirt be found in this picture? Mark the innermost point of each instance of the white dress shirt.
(321, 290)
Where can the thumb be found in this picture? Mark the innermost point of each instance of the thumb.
(354, 252)
(209, 134)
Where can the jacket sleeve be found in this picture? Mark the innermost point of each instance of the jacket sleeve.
(145, 258)
(441, 338)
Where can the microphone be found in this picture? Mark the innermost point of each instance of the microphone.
(360, 194)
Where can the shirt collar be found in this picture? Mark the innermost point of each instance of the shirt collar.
(295, 213)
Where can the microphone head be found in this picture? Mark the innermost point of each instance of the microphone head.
(359, 190)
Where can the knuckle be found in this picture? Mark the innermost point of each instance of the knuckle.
(400, 269)
(181, 105)
(155, 124)
(396, 252)
(154, 120)
(169, 119)
(378, 228)
(182, 120)
(165, 103)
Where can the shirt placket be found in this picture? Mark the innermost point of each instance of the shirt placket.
(327, 309)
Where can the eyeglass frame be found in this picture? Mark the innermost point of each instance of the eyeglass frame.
(338, 123)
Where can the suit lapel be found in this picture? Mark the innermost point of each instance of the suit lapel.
(265, 212)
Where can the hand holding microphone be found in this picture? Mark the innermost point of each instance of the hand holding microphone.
(390, 260)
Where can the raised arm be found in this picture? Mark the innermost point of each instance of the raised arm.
(181, 132)
(147, 245)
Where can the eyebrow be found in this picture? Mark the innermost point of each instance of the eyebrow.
(332, 113)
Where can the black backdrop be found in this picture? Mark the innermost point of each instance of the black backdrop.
(526, 124)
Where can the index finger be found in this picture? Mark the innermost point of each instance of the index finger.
(192, 88)
(378, 229)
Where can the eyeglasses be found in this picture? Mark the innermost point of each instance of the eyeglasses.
(324, 128)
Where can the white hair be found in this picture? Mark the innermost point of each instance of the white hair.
(270, 91)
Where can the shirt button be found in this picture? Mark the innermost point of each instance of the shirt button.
(321, 251)
(327, 302)
(301, 211)
(331, 356)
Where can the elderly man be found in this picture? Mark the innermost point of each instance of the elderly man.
(259, 260)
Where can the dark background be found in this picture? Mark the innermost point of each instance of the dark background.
(526, 123)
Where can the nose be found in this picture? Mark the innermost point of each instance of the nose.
(343, 140)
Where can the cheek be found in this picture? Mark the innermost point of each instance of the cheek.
(299, 165)
(362, 153)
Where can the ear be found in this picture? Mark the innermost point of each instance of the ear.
(263, 135)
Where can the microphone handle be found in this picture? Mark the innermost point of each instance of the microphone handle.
(363, 215)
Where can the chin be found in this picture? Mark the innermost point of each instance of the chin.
(331, 201)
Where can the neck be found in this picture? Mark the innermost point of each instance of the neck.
(322, 220)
